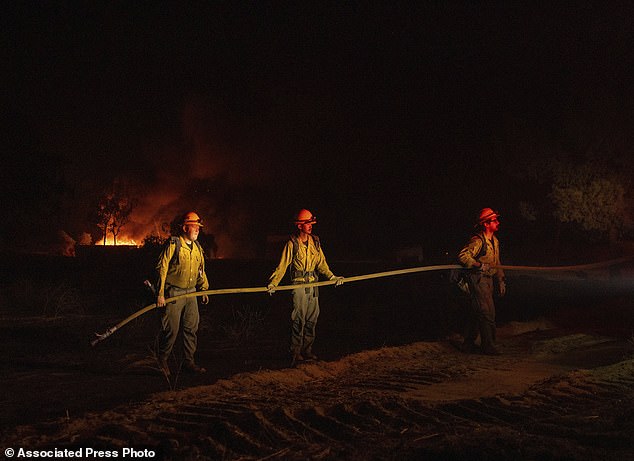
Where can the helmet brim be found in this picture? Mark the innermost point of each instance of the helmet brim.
(488, 218)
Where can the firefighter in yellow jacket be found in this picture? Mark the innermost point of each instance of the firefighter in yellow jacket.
(480, 254)
(304, 255)
(181, 270)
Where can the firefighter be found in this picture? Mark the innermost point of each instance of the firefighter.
(181, 270)
(481, 317)
(303, 253)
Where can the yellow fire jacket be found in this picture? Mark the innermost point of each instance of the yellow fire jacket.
(492, 257)
(188, 273)
(308, 259)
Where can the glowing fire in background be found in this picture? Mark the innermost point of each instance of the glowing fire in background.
(216, 178)
(121, 241)
(213, 177)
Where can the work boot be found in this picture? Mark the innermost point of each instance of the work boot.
(164, 368)
(191, 367)
(296, 358)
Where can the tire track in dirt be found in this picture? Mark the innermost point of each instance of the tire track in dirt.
(377, 405)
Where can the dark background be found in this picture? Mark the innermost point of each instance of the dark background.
(393, 122)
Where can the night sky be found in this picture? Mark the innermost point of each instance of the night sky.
(394, 124)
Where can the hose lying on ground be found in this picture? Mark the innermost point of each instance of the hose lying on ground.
(357, 278)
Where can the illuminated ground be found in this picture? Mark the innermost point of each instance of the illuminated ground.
(551, 395)
(391, 385)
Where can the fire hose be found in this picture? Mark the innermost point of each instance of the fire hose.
(357, 278)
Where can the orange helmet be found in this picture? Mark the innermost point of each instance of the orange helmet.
(305, 217)
(487, 214)
(192, 218)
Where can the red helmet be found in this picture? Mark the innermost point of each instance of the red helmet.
(487, 214)
(192, 218)
(305, 217)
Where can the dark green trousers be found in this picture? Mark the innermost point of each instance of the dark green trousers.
(180, 313)
(304, 319)
(481, 315)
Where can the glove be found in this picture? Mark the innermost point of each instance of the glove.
(339, 280)
(502, 288)
(270, 288)
(484, 267)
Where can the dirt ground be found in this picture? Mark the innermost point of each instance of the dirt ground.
(552, 394)
(563, 388)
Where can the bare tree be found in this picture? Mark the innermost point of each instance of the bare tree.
(102, 215)
(121, 207)
(112, 211)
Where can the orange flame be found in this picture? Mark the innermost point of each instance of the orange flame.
(121, 241)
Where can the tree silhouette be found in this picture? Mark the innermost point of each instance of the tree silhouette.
(112, 212)
(121, 208)
(575, 183)
(592, 196)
